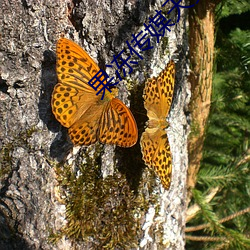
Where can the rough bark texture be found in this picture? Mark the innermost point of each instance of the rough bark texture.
(32, 142)
(201, 40)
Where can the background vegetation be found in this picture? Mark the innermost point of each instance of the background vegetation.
(225, 220)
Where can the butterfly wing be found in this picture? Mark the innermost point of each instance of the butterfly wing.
(69, 104)
(73, 96)
(156, 154)
(74, 66)
(77, 107)
(158, 93)
(85, 130)
(117, 125)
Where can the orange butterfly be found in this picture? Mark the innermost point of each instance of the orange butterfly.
(158, 93)
(77, 107)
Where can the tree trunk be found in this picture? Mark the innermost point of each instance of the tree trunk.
(54, 196)
(201, 40)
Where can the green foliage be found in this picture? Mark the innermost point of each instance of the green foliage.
(230, 7)
(226, 155)
(207, 211)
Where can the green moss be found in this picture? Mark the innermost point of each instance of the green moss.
(164, 45)
(105, 212)
(5, 161)
(28, 133)
(130, 84)
(19, 140)
(195, 129)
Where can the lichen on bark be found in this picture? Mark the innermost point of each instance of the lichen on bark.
(33, 144)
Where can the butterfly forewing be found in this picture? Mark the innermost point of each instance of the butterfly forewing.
(63, 105)
(74, 66)
(158, 92)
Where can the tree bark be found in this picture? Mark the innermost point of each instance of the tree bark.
(41, 172)
(201, 40)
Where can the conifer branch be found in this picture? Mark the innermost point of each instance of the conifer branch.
(194, 209)
(205, 238)
(230, 217)
(245, 159)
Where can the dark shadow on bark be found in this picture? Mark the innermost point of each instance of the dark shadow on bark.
(3, 86)
(48, 81)
(61, 144)
(9, 240)
(135, 18)
(130, 159)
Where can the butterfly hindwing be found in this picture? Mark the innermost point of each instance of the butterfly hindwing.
(118, 125)
(156, 154)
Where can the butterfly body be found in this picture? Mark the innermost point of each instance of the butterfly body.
(157, 123)
(158, 93)
(77, 106)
